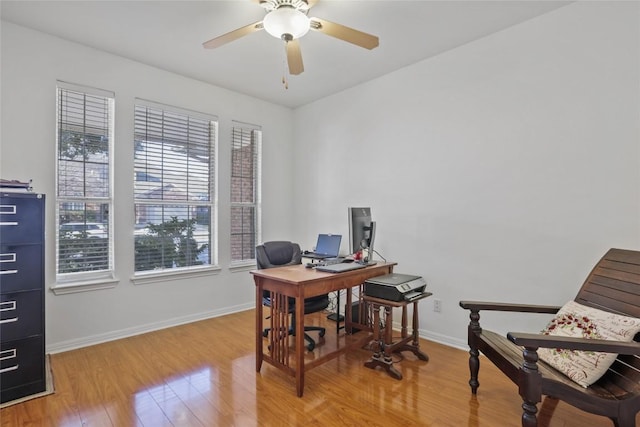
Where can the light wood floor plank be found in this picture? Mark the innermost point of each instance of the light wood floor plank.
(203, 374)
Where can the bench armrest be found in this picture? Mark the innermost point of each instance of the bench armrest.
(497, 306)
(551, 341)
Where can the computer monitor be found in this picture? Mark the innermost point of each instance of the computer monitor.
(362, 231)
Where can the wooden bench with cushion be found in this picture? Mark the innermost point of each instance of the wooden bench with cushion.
(612, 288)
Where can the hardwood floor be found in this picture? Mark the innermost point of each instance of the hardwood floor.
(203, 374)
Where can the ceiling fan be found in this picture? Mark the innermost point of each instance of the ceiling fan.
(288, 20)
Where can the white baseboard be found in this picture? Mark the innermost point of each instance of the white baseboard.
(168, 323)
(439, 338)
(444, 339)
(142, 329)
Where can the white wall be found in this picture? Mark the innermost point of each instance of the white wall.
(501, 170)
(31, 64)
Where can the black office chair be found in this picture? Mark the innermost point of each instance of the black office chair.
(279, 254)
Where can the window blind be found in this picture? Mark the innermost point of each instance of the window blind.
(174, 159)
(84, 183)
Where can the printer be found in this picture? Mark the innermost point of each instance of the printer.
(395, 287)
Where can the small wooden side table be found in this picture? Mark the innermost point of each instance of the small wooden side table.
(383, 345)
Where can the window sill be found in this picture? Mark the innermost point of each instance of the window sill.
(243, 265)
(64, 288)
(171, 275)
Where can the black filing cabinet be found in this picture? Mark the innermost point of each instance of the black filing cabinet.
(22, 357)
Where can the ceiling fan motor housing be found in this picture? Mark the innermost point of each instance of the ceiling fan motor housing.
(301, 5)
(286, 22)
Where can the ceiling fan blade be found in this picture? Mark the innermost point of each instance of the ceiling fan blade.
(294, 57)
(233, 35)
(347, 34)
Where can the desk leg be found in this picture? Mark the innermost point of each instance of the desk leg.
(259, 327)
(382, 352)
(348, 325)
(388, 343)
(299, 345)
(403, 331)
(414, 347)
(377, 341)
(416, 343)
(338, 313)
(416, 324)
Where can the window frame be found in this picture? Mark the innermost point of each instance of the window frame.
(67, 282)
(257, 139)
(166, 274)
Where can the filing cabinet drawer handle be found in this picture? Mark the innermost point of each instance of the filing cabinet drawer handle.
(8, 257)
(8, 272)
(8, 354)
(11, 320)
(8, 222)
(8, 305)
(7, 209)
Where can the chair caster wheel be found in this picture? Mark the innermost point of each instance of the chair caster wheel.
(311, 346)
(265, 333)
(321, 333)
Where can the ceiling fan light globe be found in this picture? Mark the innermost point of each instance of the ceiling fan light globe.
(286, 20)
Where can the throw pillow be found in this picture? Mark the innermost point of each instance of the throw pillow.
(579, 321)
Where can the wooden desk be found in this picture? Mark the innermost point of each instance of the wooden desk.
(299, 282)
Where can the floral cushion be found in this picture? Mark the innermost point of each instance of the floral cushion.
(579, 321)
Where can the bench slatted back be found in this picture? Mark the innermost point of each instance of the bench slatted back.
(614, 285)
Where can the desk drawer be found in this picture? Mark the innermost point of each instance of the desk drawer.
(21, 315)
(20, 267)
(21, 218)
(22, 368)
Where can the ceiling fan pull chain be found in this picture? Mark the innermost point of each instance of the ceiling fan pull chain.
(285, 80)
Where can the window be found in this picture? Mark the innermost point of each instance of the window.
(84, 242)
(174, 188)
(246, 143)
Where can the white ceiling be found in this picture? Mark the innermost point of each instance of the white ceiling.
(169, 35)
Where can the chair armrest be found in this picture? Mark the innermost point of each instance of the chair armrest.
(498, 306)
(552, 341)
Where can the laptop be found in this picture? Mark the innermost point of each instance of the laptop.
(327, 246)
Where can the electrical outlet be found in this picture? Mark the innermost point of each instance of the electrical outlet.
(437, 305)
